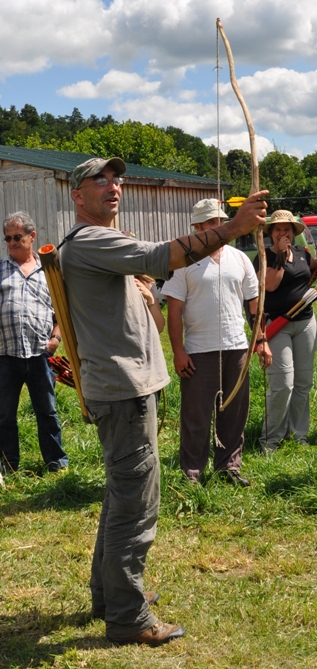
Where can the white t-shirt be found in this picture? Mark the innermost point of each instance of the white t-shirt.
(213, 317)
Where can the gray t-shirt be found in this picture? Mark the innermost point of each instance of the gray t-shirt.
(118, 343)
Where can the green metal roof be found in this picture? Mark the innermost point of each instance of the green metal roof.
(45, 158)
(67, 161)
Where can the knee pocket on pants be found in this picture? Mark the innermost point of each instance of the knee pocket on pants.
(134, 464)
(134, 485)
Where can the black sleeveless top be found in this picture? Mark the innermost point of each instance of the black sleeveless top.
(292, 287)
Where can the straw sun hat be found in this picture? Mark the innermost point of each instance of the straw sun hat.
(283, 216)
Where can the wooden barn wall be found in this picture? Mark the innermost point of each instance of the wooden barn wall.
(65, 209)
(38, 192)
(154, 212)
(158, 213)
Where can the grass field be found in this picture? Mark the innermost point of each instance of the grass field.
(237, 567)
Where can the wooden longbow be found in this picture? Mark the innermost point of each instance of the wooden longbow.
(255, 186)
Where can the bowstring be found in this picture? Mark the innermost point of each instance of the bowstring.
(219, 394)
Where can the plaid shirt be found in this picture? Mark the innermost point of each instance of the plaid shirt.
(26, 312)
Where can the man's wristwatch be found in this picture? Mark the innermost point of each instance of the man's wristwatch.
(54, 336)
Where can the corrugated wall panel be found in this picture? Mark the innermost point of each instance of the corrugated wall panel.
(153, 212)
(20, 194)
(68, 209)
(9, 201)
(3, 246)
(50, 230)
(140, 211)
(64, 209)
(40, 217)
(158, 213)
(169, 223)
(60, 210)
(29, 190)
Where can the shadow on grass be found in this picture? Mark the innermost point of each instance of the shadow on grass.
(313, 436)
(300, 489)
(287, 484)
(25, 642)
(61, 491)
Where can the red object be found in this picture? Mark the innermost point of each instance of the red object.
(310, 219)
(60, 365)
(274, 327)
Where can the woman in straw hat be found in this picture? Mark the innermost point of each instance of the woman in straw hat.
(290, 376)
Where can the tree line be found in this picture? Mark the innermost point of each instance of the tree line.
(292, 182)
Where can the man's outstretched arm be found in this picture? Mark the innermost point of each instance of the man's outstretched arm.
(190, 248)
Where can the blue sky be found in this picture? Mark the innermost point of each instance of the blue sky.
(153, 61)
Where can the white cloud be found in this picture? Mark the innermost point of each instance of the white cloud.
(173, 35)
(200, 119)
(36, 64)
(39, 33)
(193, 117)
(280, 100)
(151, 50)
(187, 95)
(295, 151)
(241, 141)
(181, 33)
(112, 84)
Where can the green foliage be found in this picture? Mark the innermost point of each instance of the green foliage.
(239, 167)
(291, 182)
(136, 143)
(28, 128)
(238, 163)
(30, 116)
(284, 177)
(192, 146)
(309, 165)
(214, 156)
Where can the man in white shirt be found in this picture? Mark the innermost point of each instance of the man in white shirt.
(206, 300)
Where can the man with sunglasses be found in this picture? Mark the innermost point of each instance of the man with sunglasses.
(122, 368)
(28, 335)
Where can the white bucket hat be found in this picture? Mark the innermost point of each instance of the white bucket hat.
(206, 209)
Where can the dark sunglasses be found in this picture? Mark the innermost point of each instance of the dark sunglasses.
(15, 237)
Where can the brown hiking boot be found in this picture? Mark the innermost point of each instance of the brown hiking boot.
(156, 635)
(151, 597)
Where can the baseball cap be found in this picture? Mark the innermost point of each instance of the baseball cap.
(93, 166)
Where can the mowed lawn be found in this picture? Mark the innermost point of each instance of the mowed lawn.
(237, 567)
